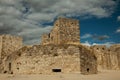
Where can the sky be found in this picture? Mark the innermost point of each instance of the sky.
(99, 19)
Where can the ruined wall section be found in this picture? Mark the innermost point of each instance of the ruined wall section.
(99, 52)
(116, 51)
(0, 46)
(42, 59)
(9, 44)
(45, 39)
(107, 57)
(88, 61)
(55, 34)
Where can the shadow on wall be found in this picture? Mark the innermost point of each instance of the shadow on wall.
(88, 62)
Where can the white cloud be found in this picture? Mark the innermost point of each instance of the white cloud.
(108, 44)
(94, 36)
(25, 17)
(84, 7)
(5, 10)
(86, 43)
(31, 35)
(118, 30)
(118, 18)
(86, 36)
(41, 16)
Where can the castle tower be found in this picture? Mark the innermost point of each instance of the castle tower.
(65, 31)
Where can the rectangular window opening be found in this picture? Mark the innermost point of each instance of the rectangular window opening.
(56, 70)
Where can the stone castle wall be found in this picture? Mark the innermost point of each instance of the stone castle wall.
(65, 31)
(116, 50)
(9, 44)
(0, 46)
(41, 59)
(107, 58)
(58, 51)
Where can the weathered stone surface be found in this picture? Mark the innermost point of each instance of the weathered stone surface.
(116, 51)
(88, 61)
(60, 49)
(65, 31)
(41, 59)
(8, 44)
(107, 58)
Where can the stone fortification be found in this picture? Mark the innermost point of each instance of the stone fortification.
(65, 31)
(8, 44)
(107, 57)
(43, 59)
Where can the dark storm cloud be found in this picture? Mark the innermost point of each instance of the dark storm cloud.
(6, 30)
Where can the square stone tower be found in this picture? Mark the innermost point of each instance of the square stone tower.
(65, 31)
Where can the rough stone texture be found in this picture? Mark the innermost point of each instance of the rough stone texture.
(65, 31)
(88, 61)
(8, 44)
(107, 58)
(99, 52)
(58, 50)
(116, 50)
(41, 59)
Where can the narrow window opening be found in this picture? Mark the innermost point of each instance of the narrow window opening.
(55, 54)
(49, 35)
(11, 73)
(17, 68)
(9, 66)
(19, 54)
(5, 72)
(56, 70)
(88, 69)
(103, 49)
(72, 23)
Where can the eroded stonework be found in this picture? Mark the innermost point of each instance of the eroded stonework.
(40, 59)
(65, 31)
(59, 50)
(8, 44)
(107, 58)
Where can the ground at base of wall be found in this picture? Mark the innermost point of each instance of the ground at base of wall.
(102, 75)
